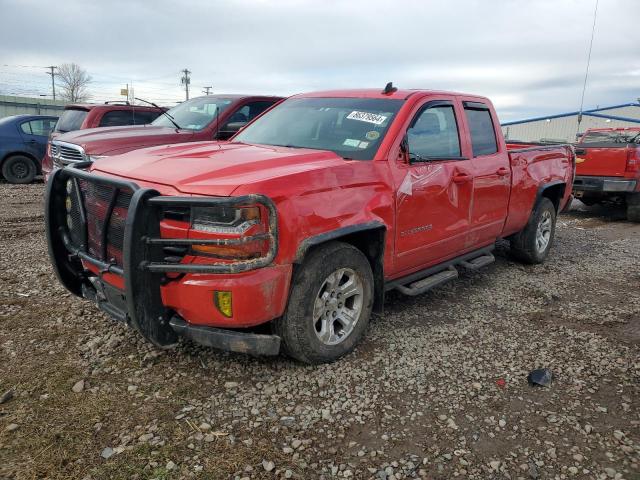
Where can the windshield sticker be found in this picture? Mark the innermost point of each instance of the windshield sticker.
(372, 135)
(351, 142)
(363, 145)
(367, 117)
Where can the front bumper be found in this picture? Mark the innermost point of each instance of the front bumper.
(160, 299)
(584, 183)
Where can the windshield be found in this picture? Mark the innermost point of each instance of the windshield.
(610, 139)
(350, 127)
(194, 114)
(70, 120)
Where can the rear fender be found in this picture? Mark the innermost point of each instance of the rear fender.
(554, 191)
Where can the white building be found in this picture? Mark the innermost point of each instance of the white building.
(564, 127)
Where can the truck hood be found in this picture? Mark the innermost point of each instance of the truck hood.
(116, 140)
(214, 168)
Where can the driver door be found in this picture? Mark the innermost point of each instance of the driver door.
(433, 200)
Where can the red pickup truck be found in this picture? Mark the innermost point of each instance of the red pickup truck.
(304, 220)
(81, 116)
(608, 168)
(202, 118)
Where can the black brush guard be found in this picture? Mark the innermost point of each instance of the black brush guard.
(143, 268)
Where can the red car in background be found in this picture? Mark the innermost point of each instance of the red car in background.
(81, 116)
(608, 168)
(212, 117)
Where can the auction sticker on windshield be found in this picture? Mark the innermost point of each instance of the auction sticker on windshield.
(367, 117)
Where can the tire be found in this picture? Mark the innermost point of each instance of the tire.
(532, 244)
(317, 342)
(633, 207)
(19, 169)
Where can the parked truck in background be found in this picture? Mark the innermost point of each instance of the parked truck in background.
(213, 117)
(303, 220)
(81, 116)
(608, 168)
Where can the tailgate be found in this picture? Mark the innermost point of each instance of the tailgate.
(601, 161)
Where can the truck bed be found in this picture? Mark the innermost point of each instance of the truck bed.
(531, 166)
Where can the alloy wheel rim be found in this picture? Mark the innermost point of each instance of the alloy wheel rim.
(338, 306)
(543, 232)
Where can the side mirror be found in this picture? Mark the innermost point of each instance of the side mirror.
(403, 154)
(229, 129)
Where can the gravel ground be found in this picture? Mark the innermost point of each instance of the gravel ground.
(437, 390)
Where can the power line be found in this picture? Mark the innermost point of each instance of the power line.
(586, 74)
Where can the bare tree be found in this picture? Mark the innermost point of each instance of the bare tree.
(73, 82)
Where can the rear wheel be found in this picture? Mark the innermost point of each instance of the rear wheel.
(633, 207)
(532, 244)
(329, 306)
(19, 169)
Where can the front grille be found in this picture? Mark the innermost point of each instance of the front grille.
(99, 202)
(64, 154)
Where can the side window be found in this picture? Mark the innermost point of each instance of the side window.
(26, 128)
(434, 134)
(483, 135)
(250, 111)
(41, 127)
(241, 117)
(256, 108)
(116, 118)
(143, 117)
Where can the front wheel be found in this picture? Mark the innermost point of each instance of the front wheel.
(329, 306)
(19, 169)
(532, 244)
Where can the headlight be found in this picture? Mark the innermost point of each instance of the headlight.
(224, 220)
(93, 158)
(230, 221)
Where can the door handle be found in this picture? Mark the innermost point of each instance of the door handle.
(503, 171)
(462, 177)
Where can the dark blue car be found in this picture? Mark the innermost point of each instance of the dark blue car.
(23, 141)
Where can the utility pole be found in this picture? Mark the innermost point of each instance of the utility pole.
(186, 81)
(206, 90)
(53, 79)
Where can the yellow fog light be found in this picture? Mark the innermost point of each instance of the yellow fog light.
(67, 203)
(222, 301)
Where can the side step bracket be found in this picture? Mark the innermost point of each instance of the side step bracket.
(432, 281)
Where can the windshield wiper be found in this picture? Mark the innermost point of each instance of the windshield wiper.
(164, 112)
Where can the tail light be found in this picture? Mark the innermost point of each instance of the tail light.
(633, 160)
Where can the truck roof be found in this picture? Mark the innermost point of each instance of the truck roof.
(108, 105)
(124, 104)
(400, 94)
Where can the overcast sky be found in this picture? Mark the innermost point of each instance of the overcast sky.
(528, 56)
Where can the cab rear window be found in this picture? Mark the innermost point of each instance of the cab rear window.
(70, 120)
